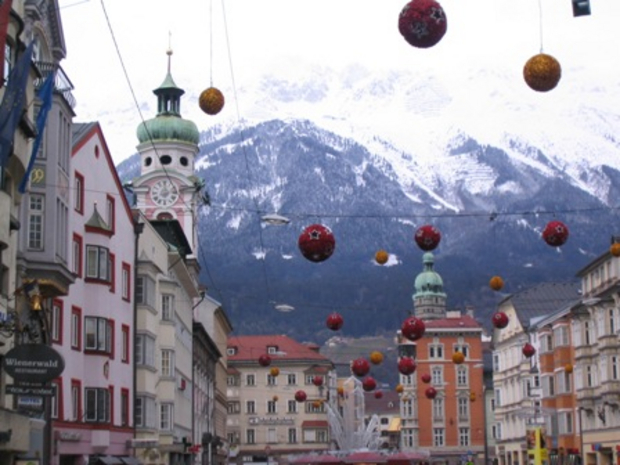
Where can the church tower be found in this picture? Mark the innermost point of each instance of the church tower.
(168, 144)
(429, 300)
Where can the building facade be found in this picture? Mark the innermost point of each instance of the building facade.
(267, 419)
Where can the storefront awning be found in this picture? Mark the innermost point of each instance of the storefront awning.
(394, 426)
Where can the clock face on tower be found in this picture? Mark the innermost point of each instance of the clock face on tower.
(164, 193)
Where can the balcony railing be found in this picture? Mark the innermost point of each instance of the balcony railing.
(62, 83)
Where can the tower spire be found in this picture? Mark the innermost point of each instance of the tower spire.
(169, 51)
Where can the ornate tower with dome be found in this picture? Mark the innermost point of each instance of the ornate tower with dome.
(168, 144)
(429, 300)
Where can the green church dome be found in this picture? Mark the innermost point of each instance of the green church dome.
(168, 128)
(429, 282)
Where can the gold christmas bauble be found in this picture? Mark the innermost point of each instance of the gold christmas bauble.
(211, 101)
(376, 357)
(615, 249)
(496, 283)
(458, 358)
(275, 398)
(274, 371)
(472, 396)
(317, 403)
(381, 257)
(568, 368)
(542, 72)
(400, 388)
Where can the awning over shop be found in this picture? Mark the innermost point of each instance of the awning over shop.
(314, 424)
(394, 426)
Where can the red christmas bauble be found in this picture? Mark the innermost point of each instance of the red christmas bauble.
(422, 23)
(369, 384)
(334, 321)
(413, 328)
(529, 350)
(500, 320)
(360, 367)
(426, 378)
(406, 365)
(317, 243)
(301, 396)
(427, 237)
(378, 394)
(317, 380)
(264, 360)
(430, 392)
(555, 233)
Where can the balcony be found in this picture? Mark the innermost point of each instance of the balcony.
(587, 393)
(62, 84)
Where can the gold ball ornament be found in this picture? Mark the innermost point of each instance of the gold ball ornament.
(568, 368)
(211, 101)
(274, 371)
(317, 403)
(400, 388)
(496, 283)
(615, 249)
(275, 398)
(376, 357)
(458, 358)
(340, 391)
(542, 72)
(472, 396)
(381, 257)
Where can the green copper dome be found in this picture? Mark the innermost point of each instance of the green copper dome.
(428, 283)
(168, 124)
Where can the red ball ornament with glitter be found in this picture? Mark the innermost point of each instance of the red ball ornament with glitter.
(427, 237)
(555, 233)
(301, 396)
(406, 366)
(413, 328)
(360, 367)
(430, 393)
(317, 380)
(264, 360)
(500, 320)
(422, 23)
(317, 243)
(369, 384)
(426, 378)
(334, 321)
(378, 394)
(528, 350)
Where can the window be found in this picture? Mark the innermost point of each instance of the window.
(560, 336)
(462, 348)
(461, 376)
(271, 380)
(98, 334)
(231, 351)
(498, 398)
(615, 367)
(62, 234)
(250, 380)
(496, 366)
(438, 409)
(167, 363)
(56, 400)
(56, 329)
(145, 291)
(463, 436)
(272, 436)
(232, 381)
(565, 422)
(292, 406)
(437, 376)
(321, 435)
(292, 435)
(272, 350)
(145, 350)
(76, 400)
(125, 343)
(167, 307)
(564, 382)
(435, 351)
(78, 199)
(97, 405)
(124, 407)
(145, 412)
(250, 406)
(309, 379)
(546, 343)
(586, 332)
(97, 263)
(589, 376)
(76, 328)
(292, 379)
(112, 272)
(315, 407)
(463, 408)
(250, 436)
(126, 281)
(110, 212)
(77, 255)
(233, 407)
(407, 405)
(438, 437)
(166, 416)
(36, 214)
(612, 321)
(548, 386)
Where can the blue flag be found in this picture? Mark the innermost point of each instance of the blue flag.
(45, 96)
(13, 103)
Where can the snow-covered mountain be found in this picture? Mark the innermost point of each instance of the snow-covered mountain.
(376, 154)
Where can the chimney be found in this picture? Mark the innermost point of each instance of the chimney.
(469, 310)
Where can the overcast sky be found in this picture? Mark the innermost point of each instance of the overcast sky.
(264, 34)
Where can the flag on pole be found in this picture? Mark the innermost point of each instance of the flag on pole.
(5, 13)
(13, 103)
(45, 96)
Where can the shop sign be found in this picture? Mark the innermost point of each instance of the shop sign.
(33, 363)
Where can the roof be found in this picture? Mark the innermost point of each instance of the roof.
(172, 232)
(464, 321)
(249, 348)
(542, 299)
(388, 404)
(314, 424)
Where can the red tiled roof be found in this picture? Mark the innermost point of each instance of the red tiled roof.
(232, 371)
(464, 321)
(249, 348)
(314, 424)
